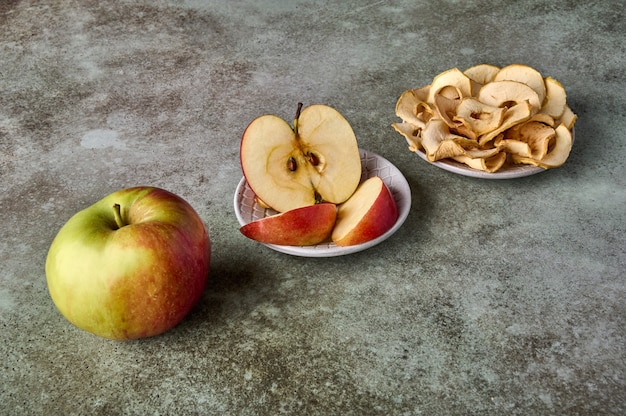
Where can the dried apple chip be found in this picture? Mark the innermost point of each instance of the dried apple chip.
(451, 79)
(488, 164)
(411, 133)
(544, 119)
(556, 100)
(463, 128)
(525, 75)
(534, 138)
(481, 117)
(482, 73)
(557, 155)
(412, 107)
(446, 108)
(516, 147)
(512, 116)
(439, 143)
(508, 93)
(568, 118)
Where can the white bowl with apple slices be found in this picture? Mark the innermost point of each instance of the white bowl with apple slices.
(247, 209)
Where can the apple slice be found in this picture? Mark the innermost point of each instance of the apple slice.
(305, 226)
(368, 214)
(316, 160)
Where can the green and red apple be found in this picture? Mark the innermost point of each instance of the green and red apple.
(369, 213)
(131, 265)
(316, 160)
(305, 226)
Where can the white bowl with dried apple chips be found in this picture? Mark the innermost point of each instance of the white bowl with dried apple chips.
(489, 122)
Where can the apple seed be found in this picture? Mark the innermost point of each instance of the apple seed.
(291, 164)
(313, 159)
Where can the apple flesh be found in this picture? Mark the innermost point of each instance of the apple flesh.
(316, 160)
(304, 226)
(368, 214)
(131, 265)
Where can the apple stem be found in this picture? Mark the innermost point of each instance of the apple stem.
(117, 213)
(295, 120)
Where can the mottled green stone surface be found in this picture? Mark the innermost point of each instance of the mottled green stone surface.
(494, 298)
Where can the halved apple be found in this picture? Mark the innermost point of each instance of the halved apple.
(305, 226)
(316, 160)
(368, 214)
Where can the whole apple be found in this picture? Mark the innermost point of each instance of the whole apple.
(130, 266)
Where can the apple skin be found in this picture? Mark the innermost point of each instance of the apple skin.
(305, 226)
(134, 281)
(369, 213)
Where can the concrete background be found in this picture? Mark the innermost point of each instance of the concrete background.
(495, 297)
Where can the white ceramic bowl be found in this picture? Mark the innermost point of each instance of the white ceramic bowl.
(247, 209)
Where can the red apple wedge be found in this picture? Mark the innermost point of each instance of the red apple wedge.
(368, 214)
(316, 160)
(305, 226)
